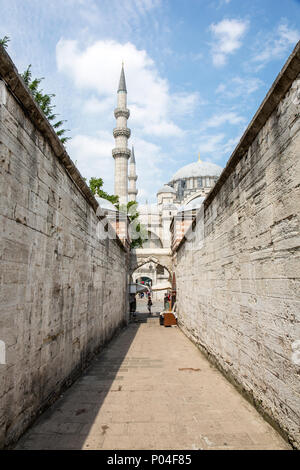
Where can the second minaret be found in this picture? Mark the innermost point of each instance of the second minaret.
(132, 177)
(121, 134)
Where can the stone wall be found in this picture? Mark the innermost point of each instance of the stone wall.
(58, 282)
(238, 270)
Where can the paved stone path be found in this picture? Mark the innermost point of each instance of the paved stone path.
(151, 389)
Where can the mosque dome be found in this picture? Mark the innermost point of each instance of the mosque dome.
(105, 204)
(197, 169)
(166, 189)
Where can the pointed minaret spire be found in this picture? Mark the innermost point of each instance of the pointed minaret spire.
(132, 191)
(121, 134)
(122, 82)
(132, 159)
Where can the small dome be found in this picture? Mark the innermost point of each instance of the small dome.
(166, 189)
(105, 204)
(197, 169)
(192, 205)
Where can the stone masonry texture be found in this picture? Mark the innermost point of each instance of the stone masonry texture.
(151, 388)
(238, 277)
(63, 292)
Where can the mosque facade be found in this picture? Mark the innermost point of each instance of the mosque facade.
(177, 201)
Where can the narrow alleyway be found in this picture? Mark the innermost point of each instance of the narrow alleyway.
(151, 389)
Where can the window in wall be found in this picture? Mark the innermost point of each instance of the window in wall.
(181, 186)
(199, 182)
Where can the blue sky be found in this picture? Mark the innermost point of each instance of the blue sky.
(196, 72)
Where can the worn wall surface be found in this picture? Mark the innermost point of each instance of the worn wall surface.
(62, 290)
(238, 286)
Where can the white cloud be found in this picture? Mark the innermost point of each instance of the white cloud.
(144, 6)
(214, 147)
(230, 144)
(185, 103)
(92, 153)
(151, 173)
(133, 8)
(277, 44)
(164, 129)
(150, 100)
(122, 15)
(195, 57)
(210, 143)
(238, 86)
(95, 106)
(227, 39)
(223, 118)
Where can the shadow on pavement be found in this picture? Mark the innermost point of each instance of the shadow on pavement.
(68, 422)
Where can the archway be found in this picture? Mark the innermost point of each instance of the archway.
(159, 278)
(138, 260)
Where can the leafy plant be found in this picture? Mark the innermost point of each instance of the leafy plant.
(136, 227)
(4, 41)
(96, 184)
(44, 101)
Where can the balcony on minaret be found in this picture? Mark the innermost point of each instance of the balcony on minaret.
(121, 132)
(121, 112)
(121, 152)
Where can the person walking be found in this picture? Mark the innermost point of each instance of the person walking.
(166, 302)
(132, 304)
(149, 304)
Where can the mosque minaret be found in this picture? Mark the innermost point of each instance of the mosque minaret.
(121, 133)
(132, 177)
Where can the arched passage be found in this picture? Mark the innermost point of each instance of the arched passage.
(142, 256)
(160, 275)
(153, 261)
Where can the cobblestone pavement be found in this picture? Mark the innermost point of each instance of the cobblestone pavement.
(151, 389)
